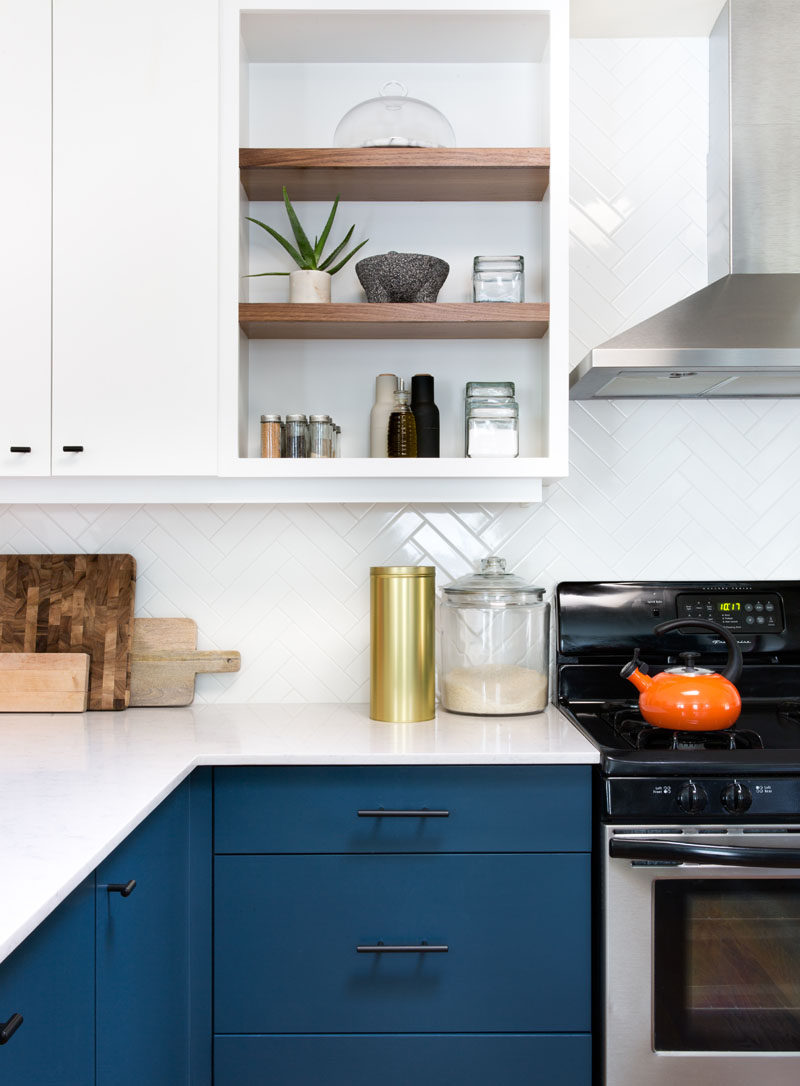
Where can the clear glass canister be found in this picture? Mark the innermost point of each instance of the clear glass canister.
(498, 279)
(495, 644)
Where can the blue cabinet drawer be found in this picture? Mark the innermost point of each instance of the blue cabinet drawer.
(287, 930)
(425, 1060)
(316, 809)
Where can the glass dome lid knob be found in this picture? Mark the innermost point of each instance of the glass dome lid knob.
(493, 565)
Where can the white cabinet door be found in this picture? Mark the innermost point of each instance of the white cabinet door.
(135, 165)
(25, 245)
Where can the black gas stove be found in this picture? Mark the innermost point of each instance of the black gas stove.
(748, 772)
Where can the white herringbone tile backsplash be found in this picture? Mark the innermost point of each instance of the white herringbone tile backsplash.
(663, 490)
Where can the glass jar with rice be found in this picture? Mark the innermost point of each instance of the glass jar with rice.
(495, 644)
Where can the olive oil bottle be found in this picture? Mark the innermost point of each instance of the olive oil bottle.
(402, 425)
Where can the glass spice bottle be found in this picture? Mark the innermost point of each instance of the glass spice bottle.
(271, 435)
(402, 427)
(320, 436)
(296, 436)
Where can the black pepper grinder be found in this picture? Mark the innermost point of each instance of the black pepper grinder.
(426, 414)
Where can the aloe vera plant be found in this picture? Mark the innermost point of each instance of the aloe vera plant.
(309, 257)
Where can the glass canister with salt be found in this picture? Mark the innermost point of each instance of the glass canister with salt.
(495, 644)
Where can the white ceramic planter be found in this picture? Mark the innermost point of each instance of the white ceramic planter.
(309, 286)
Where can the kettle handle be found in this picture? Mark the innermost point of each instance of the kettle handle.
(733, 668)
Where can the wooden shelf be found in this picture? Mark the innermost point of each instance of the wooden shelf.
(417, 320)
(396, 173)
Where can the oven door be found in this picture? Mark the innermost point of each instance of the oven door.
(702, 955)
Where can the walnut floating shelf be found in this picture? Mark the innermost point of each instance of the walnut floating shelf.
(396, 173)
(417, 320)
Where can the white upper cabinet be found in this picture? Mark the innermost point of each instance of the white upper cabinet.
(135, 204)
(25, 246)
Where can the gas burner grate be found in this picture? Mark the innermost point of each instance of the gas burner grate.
(642, 736)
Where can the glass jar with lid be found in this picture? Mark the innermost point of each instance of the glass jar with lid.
(498, 279)
(495, 644)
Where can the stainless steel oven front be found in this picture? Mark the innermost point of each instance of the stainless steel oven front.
(702, 955)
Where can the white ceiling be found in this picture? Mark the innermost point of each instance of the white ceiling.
(643, 18)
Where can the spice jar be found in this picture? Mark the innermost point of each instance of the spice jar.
(320, 436)
(296, 436)
(498, 279)
(271, 435)
(495, 644)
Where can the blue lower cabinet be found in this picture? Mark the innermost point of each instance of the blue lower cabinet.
(424, 1060)
(49, 982)
(515, 926)
(150, 972)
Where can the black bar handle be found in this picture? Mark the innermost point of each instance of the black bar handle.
(403, 948)
(20, 448)
(73, 448)
(383, 813)
(9, 1028)
(124, 889)
(723, 855)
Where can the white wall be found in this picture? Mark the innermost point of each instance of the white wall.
(708, 490)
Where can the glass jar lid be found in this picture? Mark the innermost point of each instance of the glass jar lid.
(394, 120)
(493, 585)
(490, 389)
(498, 263)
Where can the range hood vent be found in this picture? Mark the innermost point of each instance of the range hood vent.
(739, 336)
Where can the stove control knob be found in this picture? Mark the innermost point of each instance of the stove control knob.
(692, 798)
(736, 797)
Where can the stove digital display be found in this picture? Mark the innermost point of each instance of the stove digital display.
(751, 613)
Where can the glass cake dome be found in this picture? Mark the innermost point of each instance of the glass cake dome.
(394, 120)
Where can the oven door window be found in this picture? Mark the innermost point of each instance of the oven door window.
(727, 965)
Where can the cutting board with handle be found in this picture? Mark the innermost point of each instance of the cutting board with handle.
(166, 662)
(73, 603)
(44, 682)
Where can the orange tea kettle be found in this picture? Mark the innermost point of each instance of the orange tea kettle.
(689, 698)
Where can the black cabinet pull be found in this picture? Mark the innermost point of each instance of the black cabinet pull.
(424, 813)
(73, 448)
(9, 1028)
(402, 948)
(20, 448)
(124, 889)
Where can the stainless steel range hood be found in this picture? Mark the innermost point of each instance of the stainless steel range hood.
(739, 336)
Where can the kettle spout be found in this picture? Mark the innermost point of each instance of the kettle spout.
(632, 673)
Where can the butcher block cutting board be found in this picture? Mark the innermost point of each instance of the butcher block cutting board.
(73, 603)
(44, 682)
(165, 661)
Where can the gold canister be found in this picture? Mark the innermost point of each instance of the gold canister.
(402, 643)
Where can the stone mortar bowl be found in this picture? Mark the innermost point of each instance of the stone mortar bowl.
(402, 277)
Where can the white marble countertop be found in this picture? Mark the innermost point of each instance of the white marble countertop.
(72, 787)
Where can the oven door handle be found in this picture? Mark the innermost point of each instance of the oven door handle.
(682, 852)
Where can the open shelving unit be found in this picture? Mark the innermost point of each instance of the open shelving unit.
(452, 202)
(394, 320)
(396, 173)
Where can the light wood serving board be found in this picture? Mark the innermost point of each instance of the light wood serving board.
(73, 603)
(44, 682)
(165, 661)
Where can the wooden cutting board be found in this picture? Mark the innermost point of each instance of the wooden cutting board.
(44, 682)
(165, 661)
(73, 603)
